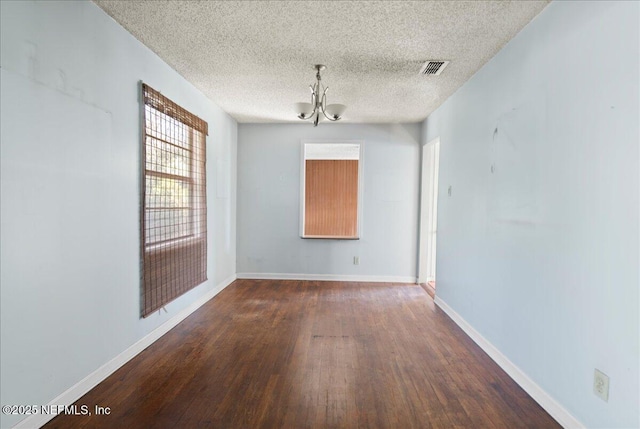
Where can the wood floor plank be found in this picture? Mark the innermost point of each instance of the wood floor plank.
(306, 354)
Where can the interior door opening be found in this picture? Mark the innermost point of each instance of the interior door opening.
(429, 215)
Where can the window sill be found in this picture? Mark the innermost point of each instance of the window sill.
(329, 237)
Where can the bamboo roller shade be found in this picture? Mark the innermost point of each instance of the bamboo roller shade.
(174, 206)
(331, 198)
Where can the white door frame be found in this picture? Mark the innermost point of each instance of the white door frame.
(428, 211)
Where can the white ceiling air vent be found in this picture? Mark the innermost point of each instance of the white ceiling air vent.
(433, 67)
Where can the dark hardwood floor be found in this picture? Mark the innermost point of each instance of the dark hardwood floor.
(302, 354)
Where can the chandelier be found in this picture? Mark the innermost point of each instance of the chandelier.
(318, 105)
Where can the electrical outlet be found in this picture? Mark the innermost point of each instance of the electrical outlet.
(356, 260)
(601, 385)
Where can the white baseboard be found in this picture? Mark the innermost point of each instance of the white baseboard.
(76, 391)
(326, 277)
(545, 400)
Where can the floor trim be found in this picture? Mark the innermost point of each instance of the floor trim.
(326, 277)
(76, 391)
(545, 400)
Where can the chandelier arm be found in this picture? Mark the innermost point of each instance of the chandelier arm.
(323, 100)
(311, 115)
(313, 95)
(330, 118)
(323, 106)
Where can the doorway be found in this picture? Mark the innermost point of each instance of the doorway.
(429, 214)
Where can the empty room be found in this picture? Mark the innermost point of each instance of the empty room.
(320, 214)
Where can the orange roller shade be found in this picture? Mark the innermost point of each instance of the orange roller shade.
(331, 198)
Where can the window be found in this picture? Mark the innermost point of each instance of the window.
(174, 206)
(331, 190)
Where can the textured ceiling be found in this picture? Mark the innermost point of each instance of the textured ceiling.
(255, 58)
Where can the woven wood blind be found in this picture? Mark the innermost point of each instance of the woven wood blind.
(174, 205)
(331, 198)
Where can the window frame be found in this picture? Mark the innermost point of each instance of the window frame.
(189, 180)
(303, 176)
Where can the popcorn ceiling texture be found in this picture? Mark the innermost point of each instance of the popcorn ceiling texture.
(255, 58)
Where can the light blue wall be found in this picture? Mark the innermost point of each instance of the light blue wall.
(70, 288)
(541, 256)
(269, 202)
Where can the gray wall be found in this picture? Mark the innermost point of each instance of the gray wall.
(541, 256)
(269, 202)
(70, 194)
